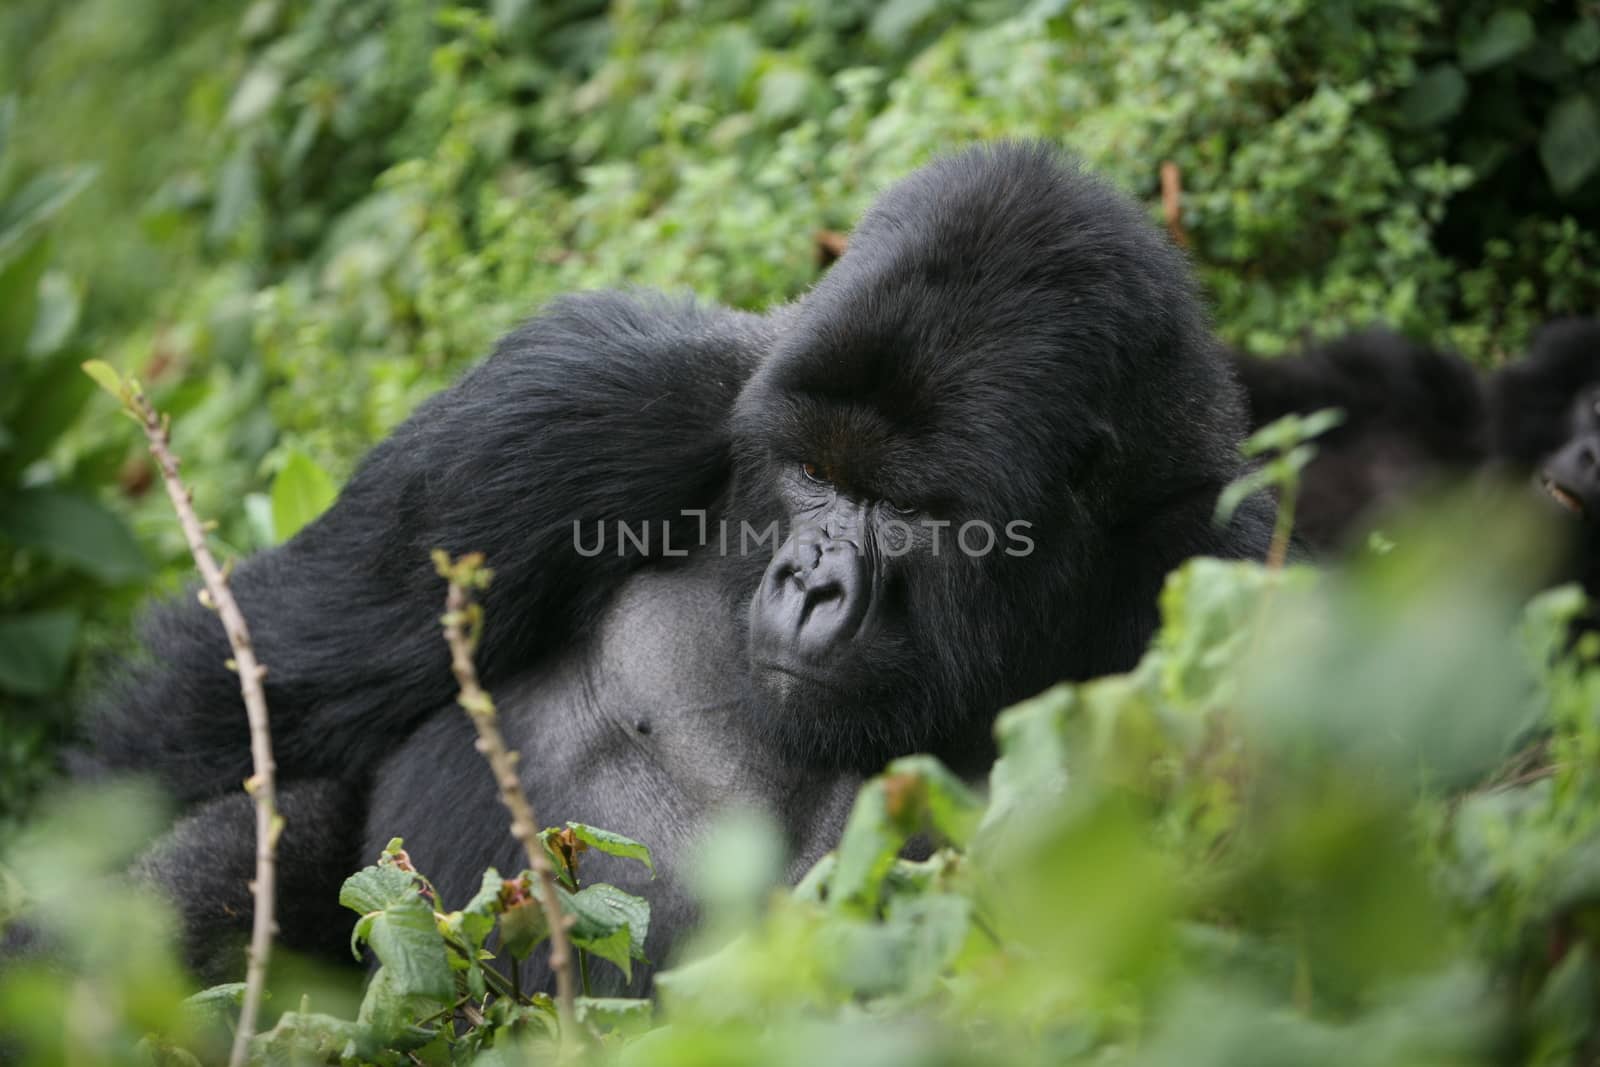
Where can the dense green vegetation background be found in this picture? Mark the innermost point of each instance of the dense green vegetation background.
(293, 219)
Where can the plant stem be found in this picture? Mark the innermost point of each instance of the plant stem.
(462, 621)
(269, 824)
(1278, 550)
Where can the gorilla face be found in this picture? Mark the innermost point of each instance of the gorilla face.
(1572, 474)
(950, 428)
(1546, 413)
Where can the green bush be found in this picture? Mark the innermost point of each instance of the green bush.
(387, 186)
(1328, 818)
(64, 556)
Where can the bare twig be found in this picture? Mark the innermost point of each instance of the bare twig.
(1172, 202)
(218, 597)
(830, 245)
(463, 622)
(1283, 528)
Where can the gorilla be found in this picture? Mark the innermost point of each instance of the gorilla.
(1545, 419)
(1417, 417)
(1414, 418)
(740, 559)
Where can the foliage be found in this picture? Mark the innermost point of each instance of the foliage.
(62, 552)
(386, 186)
(1328, 817)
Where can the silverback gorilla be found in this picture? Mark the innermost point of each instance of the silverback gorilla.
(986, 434)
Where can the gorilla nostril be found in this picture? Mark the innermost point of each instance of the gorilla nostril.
(821, 596)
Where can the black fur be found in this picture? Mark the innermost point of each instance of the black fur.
(1006, 340)
(321, 832)
(1417, 417)
(1532, 398)
(1546, 420)
(1414, 418)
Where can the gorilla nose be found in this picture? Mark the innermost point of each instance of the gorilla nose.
(814, 599)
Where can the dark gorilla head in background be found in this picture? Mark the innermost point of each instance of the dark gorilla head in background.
(1546, 414)
(976, 423)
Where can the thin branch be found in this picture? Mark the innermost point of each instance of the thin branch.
(463, 622)
(1172, 202)
(1283, 528)
(269, 824)
(830, 245)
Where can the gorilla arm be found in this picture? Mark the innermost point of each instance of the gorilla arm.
(607, 407)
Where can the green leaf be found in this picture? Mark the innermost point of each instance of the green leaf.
(1031, 773)
(623, 1015)
(896, 20)
(1564, 1007)
(1505, 36)
(254, 97)
(1238, 491)
(382, 885)
(309, 1037)
(949, 803)
(20, 271)
(50, 399)
(1283, 434)
(612, 844)
(730, 56)
(105, 376)
(872, 838)
(507, 13)
(215, 1007)
(406, 940)
(615, 947)
(35, 651)
(906, 954)
(56, 315)
(74, 529)
(476, 921)
(301, 491)
(813, 885)
(610, 923)
(38, 201)
(1582, 41)
(415, 978)
(236, 192)
(523, 928)
(8, 122)
(1435, 96)
(784, 93)
(1569, 147)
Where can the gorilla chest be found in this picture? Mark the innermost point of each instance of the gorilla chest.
(655, 703)
(643, 727)
(657, 686)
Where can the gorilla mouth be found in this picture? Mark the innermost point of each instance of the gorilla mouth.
(797, 674)
(1563, 496)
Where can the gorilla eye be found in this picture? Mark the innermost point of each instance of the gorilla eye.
(900, 509)
(814, 473)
